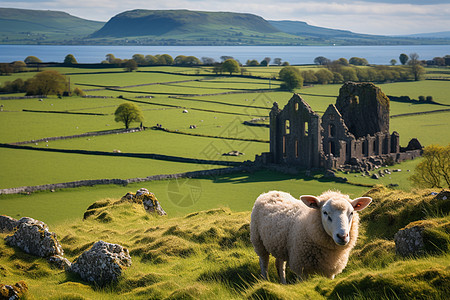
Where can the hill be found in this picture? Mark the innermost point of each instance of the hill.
(32, 26)
(208, 255)
(185, 22)
(178, 27)
(439, 35)
(315, 34)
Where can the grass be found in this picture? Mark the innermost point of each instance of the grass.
(237, 192)
(208, 255)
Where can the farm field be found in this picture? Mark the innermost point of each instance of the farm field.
(201, 250)
(216, 116)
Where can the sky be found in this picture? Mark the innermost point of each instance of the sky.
(384, 17)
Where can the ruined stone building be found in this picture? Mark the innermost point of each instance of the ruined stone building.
(352, 132)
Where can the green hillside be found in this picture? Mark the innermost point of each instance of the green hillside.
(179, 27)
(175, 22)
(24, 25)
(315, 34)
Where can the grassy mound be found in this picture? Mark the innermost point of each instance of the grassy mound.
(208, 255)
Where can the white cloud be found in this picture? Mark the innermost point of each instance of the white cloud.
(364, 16)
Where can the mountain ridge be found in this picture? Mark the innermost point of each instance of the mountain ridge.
(179, 27)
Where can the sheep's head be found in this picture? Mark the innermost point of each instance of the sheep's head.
(337, 215)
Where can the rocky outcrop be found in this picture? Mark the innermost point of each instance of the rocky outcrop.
(33, 237)
(364, 108)
(12, 292)
(148, 199)
(7, 224)
(409, 241)
(102, 264)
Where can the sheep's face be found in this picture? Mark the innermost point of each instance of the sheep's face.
(337, 215)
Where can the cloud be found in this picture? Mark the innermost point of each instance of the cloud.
(364, 16)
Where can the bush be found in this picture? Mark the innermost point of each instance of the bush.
(78, 92)
(291, 77)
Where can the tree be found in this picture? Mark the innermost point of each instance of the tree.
(324, 76)
(309, 76)
(151, 60)
(110, 58)
(434, 170)
(416, 67)
(78, 92)
(225, 57)
(277, 61)
(393, 62)
(342, 61)
(45, 83)
(266, 61)
(321, 60)
(252, 63)
(32, 60)
(128, 113)
(130, 65)
(208, 60)
(358, 61)
(139, 59)
(231, 66)
(291, 78)
(403, 58)
(70, 60)
(164, 59)
(18, 66)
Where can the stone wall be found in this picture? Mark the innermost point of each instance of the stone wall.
(80, 183)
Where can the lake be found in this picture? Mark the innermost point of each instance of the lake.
(291, 54)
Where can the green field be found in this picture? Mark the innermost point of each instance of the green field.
(213, 113)
(208, 255)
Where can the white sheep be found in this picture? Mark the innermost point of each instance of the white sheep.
(314, 235)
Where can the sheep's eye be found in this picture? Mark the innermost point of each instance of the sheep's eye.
(329, 218)
(325, 213)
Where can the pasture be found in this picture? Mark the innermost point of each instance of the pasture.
(216, 105)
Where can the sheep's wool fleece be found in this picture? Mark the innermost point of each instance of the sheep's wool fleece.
(291, 231)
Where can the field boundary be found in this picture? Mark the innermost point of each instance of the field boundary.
(421, 113)
(63, 112)
(97, 133)
(133, 155)
(209, 136)
(124, 182)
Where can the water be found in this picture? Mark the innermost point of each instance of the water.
(291, 54)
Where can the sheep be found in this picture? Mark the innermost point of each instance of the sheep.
(314, 235)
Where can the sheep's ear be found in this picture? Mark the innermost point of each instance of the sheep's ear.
(310, 201)
(361, 203)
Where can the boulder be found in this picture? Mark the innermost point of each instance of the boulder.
(233, 153)
(7, 224)
(12, 292)
(33, 237)
(148, 199)
(102, 264)
(374, 176)
(409, 241)
(59, 262)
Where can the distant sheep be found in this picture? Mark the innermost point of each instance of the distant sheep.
(313, 234)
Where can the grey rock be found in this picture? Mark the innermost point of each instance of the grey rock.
(59, 262)
(374, 176)
(102, 264)
(33, 237)
(409, 241)
(7, 224)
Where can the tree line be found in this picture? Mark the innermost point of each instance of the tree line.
(49, 82)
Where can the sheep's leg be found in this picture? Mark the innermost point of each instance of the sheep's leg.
(281, 268)
(264, 264)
